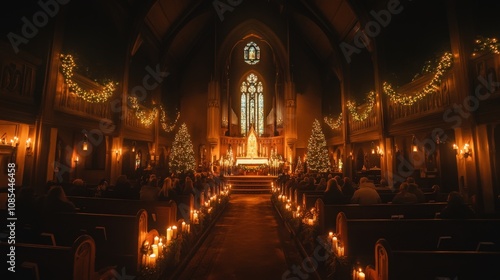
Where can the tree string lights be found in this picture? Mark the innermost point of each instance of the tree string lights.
(182, 157)
(431, 88)
(353, 108)
(332, 123)
(67, 66)
(317, 153)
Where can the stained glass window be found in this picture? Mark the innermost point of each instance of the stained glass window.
(252, 105)
(251, 53)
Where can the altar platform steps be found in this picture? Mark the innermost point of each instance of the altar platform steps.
(250, 184)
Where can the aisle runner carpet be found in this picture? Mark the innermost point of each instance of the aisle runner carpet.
(248, 242)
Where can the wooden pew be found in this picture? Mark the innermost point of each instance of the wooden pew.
(36, 261)
(129, 207)
(309, 199)
(118, 238)
(416, 264)
(359, 235)
(297, 198)
(327, 214)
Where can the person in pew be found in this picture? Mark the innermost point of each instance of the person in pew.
(332, 193)
(456, 208)
(123, 188)
(366, 194)
(322, 185)
(56, 201)
(404, 196)
(348, 188)
(415, 189)
(102, 189)
(78, 188)
(167, 191)
(340, 182)
(150, 190)
(189, 187)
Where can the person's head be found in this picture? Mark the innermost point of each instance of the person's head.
(410, 180)
(167, 183)
(331, 185)
(78, 183)
(56, 193)
(347, 180)
(363, 180)
(435, 188)
(454, 198)
(404, 187)
(322, 181)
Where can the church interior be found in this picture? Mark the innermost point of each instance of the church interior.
(231, 94)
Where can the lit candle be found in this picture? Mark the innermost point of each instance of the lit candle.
(174, 232)
(155, 249)
(195, 218)
(183, 227)
(188, 228)
(361, 276)
(160, 249)
(330, 234)
(334, 243)
(169, 235)
(152, 260)
(156, 240)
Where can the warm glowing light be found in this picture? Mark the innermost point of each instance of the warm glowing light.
(68, 64)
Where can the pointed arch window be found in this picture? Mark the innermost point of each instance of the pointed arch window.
(251, 53)
(252, 105)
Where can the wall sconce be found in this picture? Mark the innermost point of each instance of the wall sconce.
(118, 153)
(377, 150)
(414, 147)
(465, 152)
(85, 145)
(28, 147)
(133, 147)
(14, 142)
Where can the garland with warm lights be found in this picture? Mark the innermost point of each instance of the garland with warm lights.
(146, 118)
(486, 44)
(431, 88)
(163, 120)
(332, 123)
(352, 106)
(67, 66)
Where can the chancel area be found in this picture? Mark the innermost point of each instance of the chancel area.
(250, 139)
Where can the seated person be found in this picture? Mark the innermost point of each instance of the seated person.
(150, 190)
(404, 196)
(456, 208)
(366, 194)
(332, 193)
(56, 201)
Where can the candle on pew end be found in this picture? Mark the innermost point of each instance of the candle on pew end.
(169, 235)
(334, 243)
(361, 276)
(155, 249)
(152, 259)
(183, 227)
(156, 239)
(174, 232)
(160, 249)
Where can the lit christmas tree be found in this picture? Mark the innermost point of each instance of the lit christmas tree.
(182, 156)
(317, 153)
(299, 168)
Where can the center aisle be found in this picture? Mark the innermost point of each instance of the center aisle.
(248, 242)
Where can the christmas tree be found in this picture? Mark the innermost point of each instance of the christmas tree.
(317, 153)
(182, 156)
(299, 168)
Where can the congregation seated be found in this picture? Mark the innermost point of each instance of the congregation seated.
(167, 191)
(348, 188)
(456, 208)
(366, 194)
(333, 195)
(404, 196)
(123, 189)
(56, 201)
(321, 186)
(102, 189)
(78, 188)
(415, 189)
(149, 191)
